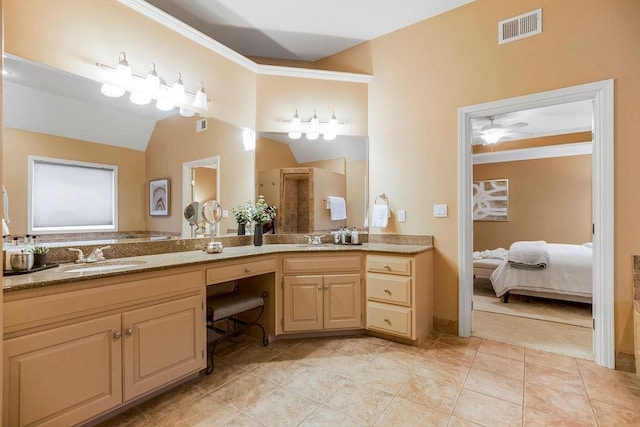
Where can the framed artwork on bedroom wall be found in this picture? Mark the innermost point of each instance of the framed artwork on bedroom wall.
(159, 197)
(491, 200)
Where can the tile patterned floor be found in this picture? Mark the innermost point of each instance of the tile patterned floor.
(367, 381)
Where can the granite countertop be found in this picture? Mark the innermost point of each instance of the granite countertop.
(60, 275)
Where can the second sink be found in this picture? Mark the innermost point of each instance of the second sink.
(101, 266)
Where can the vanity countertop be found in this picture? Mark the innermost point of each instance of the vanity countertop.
(59, 275)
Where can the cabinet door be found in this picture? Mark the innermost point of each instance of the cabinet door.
(342, 301)
(302, 303)
(162, 343)
(64, 375)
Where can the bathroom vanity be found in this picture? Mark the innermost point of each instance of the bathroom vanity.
(81, 344)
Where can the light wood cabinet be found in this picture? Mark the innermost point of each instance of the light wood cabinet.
(400, 295)
(72, 370)
(314, 302)
(636, 336)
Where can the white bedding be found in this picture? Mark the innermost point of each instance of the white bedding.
(569, 273)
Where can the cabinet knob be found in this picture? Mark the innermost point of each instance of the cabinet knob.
(387, 291)
(319, 286)
(386, 319)
(129, 331)
(386, 267)
(326, 286)
(117, 335)
(247, 270)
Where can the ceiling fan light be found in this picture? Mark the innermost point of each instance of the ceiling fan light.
(140, 98)
(492, 136)
(112, 91)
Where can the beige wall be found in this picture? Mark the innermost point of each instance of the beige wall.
(72, 35)
(206, 181)
(327, 183)
(175, 141)
(272, 154)
(549, 199)
(356, 193)
(19, 144)
(333, 165)
(425, 72)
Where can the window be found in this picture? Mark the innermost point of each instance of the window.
(69, 196)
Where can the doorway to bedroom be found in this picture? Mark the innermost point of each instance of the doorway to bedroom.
(600, 95)
(534, 185)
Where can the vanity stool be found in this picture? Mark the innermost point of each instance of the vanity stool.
(227, 307)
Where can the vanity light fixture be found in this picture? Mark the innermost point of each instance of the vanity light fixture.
(152, 87)
(313, 128)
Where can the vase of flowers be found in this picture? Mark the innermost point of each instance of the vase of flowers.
(261, 213)
(242, 214)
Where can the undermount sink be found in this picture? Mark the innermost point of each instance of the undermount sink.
(313, 246)
(101, 266)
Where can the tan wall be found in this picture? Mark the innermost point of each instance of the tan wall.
(72, 35)
(549, 199)
(356, 193)
(206, 181)
(174, 141)
(333, 165)
(272, 154)
(19, 144)
(425, 72)
(277, 99)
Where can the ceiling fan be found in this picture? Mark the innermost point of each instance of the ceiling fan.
(492, 133)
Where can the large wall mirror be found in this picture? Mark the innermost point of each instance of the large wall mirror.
(301, 176)
(53, 114)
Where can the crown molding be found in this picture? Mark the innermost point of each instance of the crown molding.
(574, 149)
(163, 18)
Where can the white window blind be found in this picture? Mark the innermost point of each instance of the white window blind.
(71, 196)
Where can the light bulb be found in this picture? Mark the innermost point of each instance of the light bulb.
(112, 91)
(314, 125)
(312, 136)
(176, 94)
(123, 71)
(329, 136)
(140, 98)
(295, 135)
(200, 100)
(332, 127)
(153, 80)
(185, 112)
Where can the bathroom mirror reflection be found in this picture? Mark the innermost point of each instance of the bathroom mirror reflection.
(303, 178)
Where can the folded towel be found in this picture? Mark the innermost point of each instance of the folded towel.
(530, 255)
(338, 208)
(381, 216)
(499, 253)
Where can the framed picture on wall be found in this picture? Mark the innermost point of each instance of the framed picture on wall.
(159, 197)
(491, 200)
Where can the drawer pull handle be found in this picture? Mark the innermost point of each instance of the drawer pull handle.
(386, 319)
(129, 331)
(387, 291)
(247, 270)
(117, 335)
(386, 267)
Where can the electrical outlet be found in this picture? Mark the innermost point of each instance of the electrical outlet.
(440, 211)
(402, 215)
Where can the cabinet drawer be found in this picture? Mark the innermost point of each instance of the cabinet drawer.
(239, 271)
(388, 288)
(389, 318)
(321, 264)
(389, 264)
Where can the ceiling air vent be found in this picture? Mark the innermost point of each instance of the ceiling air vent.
(521, 26)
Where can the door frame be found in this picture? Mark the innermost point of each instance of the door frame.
(187, 187)
(602, 94)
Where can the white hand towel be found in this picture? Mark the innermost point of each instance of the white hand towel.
(338, 208)
(381, 216)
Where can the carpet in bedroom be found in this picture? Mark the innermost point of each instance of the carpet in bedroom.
(570, 313)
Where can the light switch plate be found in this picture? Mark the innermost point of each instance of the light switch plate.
(225, 213)
(402, 215)
(440, 211)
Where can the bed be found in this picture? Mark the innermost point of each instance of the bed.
(568, 276)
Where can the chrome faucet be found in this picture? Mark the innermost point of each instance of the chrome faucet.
(97, 254)
(80, 258)
(314, 240)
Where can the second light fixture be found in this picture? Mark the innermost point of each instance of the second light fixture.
(313, 127)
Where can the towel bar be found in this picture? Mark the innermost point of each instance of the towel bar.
(383, 197)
